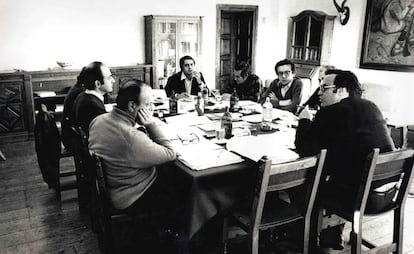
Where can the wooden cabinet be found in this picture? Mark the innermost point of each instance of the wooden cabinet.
(167, 39)
(310, 38)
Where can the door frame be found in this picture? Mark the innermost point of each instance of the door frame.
(235, 8)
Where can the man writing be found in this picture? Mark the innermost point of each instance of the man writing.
(285, 92)
(186, 82)
(349, 128)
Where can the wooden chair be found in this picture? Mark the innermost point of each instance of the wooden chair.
(116, 225)
(380, 167)
(263, 215)
(49, 152)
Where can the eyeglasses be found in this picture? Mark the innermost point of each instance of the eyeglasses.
(284, 73)
(323, 88)
(190, 139)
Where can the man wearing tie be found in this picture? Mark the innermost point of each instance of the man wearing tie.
(285, 92)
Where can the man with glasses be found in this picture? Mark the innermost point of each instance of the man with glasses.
(285, 92)
(349, 127)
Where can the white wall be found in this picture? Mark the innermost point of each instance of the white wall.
(34, 34)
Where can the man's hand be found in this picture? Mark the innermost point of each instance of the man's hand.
(144, 116)
(197, 76)
(272, 96)
(182, 95)
(305, 114)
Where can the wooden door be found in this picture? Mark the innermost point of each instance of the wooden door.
(236, 28)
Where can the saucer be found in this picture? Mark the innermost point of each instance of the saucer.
(219, 141)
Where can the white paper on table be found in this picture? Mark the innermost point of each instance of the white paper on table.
(204, 154)
(276, 146)
(188, 119)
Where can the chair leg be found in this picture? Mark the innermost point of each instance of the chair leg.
(356, 237)
(224, 235)
(57, 184)
(398, 230)
(315, 228)
(253, 241)
(306, 235)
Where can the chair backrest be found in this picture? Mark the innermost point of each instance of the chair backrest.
(386, 167)
(294, 173)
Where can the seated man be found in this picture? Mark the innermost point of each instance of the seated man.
(313, 101)
(248, 86)
(98, 81)
(285, 92)
(186, 82)
(349, 128)
(67, 133)
(129, 154)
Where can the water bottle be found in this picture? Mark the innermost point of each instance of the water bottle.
(267, 110)
(234, 99)
(226, 124)
(173, 103)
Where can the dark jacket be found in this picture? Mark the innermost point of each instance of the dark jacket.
(176, 84)
(349, 130)
(294, 93)
(85, 108)
(250, 89)
(67, 134)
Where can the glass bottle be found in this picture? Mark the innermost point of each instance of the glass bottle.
(173, 103)
(234, 99)
(226, 123)
(199, 104)
(204, 91)
(267, 110)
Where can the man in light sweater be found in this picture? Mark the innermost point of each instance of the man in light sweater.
(129, 154)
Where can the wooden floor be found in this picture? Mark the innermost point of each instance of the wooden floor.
(33, 221)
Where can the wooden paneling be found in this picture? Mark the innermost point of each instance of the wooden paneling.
(16, 92)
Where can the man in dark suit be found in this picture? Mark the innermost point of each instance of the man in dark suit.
(186, 82)
(98, 81)
(349, 128)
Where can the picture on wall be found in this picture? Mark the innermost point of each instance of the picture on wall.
(388, 42)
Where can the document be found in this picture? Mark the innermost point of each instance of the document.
(199, 153)
(276, 146)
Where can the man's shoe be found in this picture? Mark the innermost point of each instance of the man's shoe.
(332, 237)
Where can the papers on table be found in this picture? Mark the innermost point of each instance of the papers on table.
(276, 146)
(201, 154)
(188, 119)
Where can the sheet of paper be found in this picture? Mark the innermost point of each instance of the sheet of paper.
(203, 154)
(188, 119)
(277, 146)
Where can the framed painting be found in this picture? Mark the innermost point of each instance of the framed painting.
(388, 42)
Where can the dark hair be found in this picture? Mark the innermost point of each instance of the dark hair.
(285, 62)
(129, 90)
(244, 68)
(91, 73)
(80, 79)
(348, 80)
(182, 59)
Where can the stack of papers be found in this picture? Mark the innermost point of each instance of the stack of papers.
(204, 154)
(276, 146)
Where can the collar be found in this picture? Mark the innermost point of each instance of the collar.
(183, 76)
(93, 92)
(287, 86)
(119, 113)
